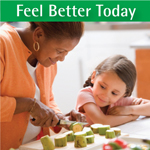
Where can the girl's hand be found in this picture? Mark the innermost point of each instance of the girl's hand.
(134, 117)
(43, 115)
(122, 111)
(137, 101)
(119, 110)
(73, 115)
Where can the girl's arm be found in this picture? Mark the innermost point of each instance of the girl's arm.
(139, 107)
(98, 116)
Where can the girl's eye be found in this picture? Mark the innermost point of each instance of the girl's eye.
(114, 93)
(102, 87)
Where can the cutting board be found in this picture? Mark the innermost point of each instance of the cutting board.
(36, 145)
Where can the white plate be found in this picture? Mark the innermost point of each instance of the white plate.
(133, 140)
(129, 140)
(97, 145)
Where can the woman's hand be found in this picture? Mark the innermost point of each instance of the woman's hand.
(43, 115)
(73, 115)
(120, 110)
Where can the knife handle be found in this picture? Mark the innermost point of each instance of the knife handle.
(33, 119)
(58, 122)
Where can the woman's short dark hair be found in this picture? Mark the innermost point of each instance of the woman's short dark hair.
(60, 29)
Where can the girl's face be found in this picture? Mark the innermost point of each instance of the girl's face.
(107, 88)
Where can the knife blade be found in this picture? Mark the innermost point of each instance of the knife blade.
(67, 122)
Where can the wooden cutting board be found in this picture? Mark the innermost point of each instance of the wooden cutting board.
(36, 145)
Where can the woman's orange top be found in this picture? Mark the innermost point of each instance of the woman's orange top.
(15, 81)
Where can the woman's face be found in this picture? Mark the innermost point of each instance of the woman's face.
(54, 50)
(108, 88)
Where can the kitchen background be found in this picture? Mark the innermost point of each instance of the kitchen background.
(99, 41)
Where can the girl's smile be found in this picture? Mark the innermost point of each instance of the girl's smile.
(102, 100)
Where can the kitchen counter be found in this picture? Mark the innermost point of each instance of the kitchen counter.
(139, 128)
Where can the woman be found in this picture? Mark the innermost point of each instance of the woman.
(28, 60)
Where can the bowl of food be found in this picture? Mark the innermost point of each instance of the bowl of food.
(127, 143)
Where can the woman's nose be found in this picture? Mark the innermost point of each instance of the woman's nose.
(62, 56)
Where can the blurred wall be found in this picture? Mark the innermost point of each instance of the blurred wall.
(79, 63)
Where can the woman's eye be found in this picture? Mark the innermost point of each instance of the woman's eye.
(114, 93)
(59, 52)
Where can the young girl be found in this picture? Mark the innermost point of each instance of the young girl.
(105, 97)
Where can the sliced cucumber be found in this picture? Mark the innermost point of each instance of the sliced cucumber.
(90, 139)
(47, 143)
(94, 127)
(80, 141)
(88, 130)
(102, 129)
(110, 134)
(60, 140)
(70, 136)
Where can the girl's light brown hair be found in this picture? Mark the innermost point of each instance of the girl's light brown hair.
(60, 30)
(120, 65)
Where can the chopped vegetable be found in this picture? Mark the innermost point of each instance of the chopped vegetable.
(107, 147)
(60, 140)
(80, 141)
(70, 136)
(76, 127)
(135, 147)
(115, 144)
(47, 143)
(120, 142)
(89, 139)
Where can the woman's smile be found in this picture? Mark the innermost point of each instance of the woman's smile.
(52, 61)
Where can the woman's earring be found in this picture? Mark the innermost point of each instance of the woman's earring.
(34, 46)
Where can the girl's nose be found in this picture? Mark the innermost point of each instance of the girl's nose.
(105, 96)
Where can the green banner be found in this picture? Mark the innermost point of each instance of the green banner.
(107, 11)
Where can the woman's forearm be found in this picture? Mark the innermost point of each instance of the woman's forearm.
(23, 104)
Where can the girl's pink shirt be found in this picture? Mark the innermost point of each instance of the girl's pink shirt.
(86, 96)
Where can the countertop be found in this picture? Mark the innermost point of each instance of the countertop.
(138, 128)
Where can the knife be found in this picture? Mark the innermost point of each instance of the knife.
(67, 122)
